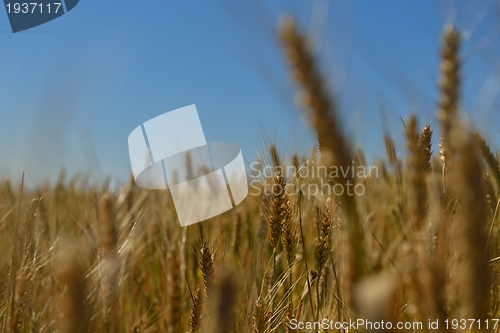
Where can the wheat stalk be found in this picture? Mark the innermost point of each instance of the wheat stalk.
(174, 288)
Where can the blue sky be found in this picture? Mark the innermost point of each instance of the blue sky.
(73, 89)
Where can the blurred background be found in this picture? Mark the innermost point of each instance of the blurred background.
(73, 89)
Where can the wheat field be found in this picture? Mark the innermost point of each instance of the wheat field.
(420, 245)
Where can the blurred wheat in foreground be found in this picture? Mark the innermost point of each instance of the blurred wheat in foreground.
(421, 244)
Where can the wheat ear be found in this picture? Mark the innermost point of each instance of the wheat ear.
(488, 156)
(418, 169)
(207, 266)
(425, 144)
(260, 317)
(196, 311)
(335, 150)
(449, 84)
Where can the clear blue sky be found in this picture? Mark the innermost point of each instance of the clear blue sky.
(73, 89)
